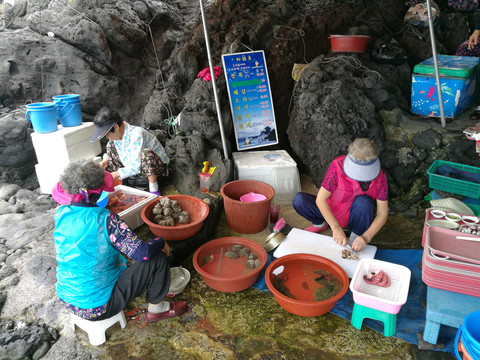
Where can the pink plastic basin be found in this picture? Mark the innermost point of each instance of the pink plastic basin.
(252, 197)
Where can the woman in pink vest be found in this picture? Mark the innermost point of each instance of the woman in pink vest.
(346, 200)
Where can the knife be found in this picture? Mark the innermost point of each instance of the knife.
(348, 247)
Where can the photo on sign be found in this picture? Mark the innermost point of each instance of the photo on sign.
(250, 99)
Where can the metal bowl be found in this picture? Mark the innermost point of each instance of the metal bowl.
(179, 279)
(273, 240)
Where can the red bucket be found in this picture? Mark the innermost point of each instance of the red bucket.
(349, 43)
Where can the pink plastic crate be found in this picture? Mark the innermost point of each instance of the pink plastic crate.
(446, 278)
(388, 299)
(451, 264)
(444, 242)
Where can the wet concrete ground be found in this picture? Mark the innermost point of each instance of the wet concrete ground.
(251, 325)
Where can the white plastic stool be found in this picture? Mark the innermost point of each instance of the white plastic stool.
(96, 329)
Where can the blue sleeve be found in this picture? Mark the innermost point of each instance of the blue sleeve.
(477, 24)
(128, 243)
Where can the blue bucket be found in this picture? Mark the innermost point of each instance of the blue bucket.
(69, 111)
(469, 336)
(43, 117)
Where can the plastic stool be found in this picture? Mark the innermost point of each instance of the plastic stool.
(361, 312)
(96, 329)
(446, 308)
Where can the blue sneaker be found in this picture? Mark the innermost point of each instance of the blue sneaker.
(156, 193)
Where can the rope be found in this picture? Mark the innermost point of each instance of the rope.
(168, 107)
(4, 16)
(351, 62)
(300, 32)
(165, 96)
(405, 25)
(106, 35)
(170, 122)
(42, 52)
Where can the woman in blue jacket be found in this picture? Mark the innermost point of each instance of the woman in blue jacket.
(93, 280)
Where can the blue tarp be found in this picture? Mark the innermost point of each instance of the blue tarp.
(411, 318)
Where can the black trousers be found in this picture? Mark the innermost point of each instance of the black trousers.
(152, 275)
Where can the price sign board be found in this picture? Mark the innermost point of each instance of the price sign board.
(250, 99)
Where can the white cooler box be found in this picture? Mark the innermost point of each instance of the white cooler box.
(48, 174)
(65, 145)
(276, 168)
(133, 215)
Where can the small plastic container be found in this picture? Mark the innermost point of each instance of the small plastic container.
(274, 213)
(453, 217)
(388, 299)
(132, 216)
(205, 182)
(470, 220)
(436, 213)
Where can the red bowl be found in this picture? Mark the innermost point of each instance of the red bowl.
(223, 273)
(197, 208)
(349, 43)
(300, 281)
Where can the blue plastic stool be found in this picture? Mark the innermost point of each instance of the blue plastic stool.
(361, 312)
(446, 308)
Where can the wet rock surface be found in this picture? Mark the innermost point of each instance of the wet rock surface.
(151, 52)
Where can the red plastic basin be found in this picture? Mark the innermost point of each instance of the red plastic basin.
(223, 273)
(349, 43)
(298, 273)
(197, 208)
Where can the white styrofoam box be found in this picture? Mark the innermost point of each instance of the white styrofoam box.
(133, 215)
(66, 145)
(276, 168)
(388, 299)
(48, 176)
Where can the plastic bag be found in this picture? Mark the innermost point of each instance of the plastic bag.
(388, 52)
(463, 5)
(418, 14)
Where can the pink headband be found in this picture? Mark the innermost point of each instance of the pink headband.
(64, 198)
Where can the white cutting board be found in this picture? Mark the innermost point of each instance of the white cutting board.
(301, 241)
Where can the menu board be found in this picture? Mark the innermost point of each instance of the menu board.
(250, 99)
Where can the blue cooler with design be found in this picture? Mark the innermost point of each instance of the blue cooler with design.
(457, 79)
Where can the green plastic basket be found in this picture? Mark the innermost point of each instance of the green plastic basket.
(455, 186)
